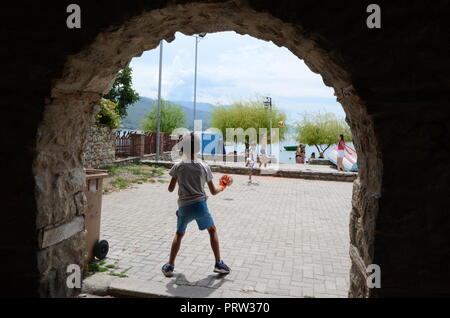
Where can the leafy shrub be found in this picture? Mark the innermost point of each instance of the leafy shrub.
(108, 115)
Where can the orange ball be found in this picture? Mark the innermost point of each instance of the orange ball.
(225, 180)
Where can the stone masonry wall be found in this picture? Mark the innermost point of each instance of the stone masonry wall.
(100, 147)
(164, 156)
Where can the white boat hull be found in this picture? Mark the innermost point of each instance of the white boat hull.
(350, 161)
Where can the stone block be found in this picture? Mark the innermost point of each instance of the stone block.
(62, 232)
(322, 162)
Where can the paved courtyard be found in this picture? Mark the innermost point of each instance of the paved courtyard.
(282, 237)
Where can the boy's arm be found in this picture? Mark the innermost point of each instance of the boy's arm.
(172, 184)
(213, 189)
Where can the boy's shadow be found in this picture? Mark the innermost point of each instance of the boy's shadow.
(179, 287)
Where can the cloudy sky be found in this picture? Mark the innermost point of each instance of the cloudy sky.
(233, 67)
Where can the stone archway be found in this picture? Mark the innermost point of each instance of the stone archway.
(392, 83)
(90, 73)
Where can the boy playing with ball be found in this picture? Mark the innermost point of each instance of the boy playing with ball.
(191, 176)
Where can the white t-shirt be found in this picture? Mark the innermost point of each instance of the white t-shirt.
(192, 176)
(252, 155)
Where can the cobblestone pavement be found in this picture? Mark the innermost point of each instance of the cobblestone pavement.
(282, 237)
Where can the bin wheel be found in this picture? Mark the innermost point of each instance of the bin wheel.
(101, 249)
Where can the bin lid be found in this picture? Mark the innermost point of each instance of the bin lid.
(95, 174)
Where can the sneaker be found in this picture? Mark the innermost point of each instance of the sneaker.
(222, 268)
(167, 270)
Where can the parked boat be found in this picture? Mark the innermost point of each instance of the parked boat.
(290, 148)
(350, 161)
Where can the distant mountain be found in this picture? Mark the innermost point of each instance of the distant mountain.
(206, 107)
(138, 111)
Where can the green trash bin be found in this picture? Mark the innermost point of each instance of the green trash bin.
(96, 248)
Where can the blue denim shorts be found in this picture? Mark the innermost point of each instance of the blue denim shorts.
(197, 211)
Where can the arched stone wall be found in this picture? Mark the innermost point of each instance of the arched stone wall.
(90, 73)
(369, 70)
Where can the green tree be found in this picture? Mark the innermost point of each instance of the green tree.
(172, 116)
(108, 114)
(321, 130)
(122, 92)
(248, 114)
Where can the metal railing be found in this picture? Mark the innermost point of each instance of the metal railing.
(124, 144)
(128, 143)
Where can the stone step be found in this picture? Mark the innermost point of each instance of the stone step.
(104, 285)
(309, 174)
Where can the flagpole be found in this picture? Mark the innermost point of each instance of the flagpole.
(158, 121)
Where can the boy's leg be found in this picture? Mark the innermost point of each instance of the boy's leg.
(176, 243)
(220, 266)
(214, 239)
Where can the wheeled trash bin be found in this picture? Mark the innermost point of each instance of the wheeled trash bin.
(96, 248)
